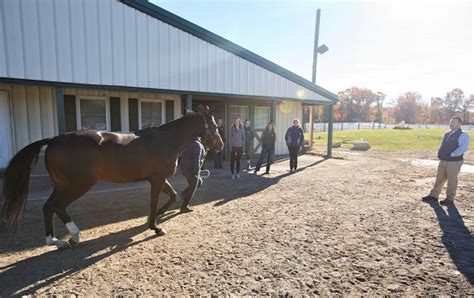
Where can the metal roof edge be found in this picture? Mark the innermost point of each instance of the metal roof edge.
(225, 96)
(185, 25)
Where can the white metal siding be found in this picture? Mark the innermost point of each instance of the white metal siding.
(153, 58)
(124, 96)
(13, 38)
(286, 112)
(107, 42)
(33, 109)
(31, 40)
(6, 139)
(47, 41)
(3, 62)
(78, 42)
(33, 113)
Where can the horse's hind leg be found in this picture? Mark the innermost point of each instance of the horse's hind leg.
(48, 212)
(156, 188)
(169, 190)
(61, 198)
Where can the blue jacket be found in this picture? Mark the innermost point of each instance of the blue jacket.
(294, 136)
(192, 158)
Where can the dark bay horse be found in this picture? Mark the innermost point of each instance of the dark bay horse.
(77, 160)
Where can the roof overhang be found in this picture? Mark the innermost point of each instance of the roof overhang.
(185, 25)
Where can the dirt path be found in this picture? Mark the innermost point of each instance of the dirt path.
(352, 225)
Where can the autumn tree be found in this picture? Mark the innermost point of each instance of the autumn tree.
(379, 108)
(408, 108)
(468, 109)
(388, 115)
(437, 113)
(454, 103)
(423, 114)
(358, 104)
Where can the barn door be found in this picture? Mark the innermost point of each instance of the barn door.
(5, 131)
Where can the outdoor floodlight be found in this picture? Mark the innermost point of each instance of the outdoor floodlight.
(323, 49)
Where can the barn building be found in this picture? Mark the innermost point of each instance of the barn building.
(125, 65)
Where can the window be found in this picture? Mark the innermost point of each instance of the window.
(93, 113)
(262, 117)
(151, 113)
(241, 112)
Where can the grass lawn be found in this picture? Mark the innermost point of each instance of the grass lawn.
(390, 139)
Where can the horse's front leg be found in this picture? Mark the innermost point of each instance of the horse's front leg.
(156, 188)
(169, 190)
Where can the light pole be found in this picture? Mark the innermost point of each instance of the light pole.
(317, 50)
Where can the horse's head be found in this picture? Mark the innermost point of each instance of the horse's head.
(210, 135)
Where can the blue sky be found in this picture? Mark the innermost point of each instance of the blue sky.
(391, 47)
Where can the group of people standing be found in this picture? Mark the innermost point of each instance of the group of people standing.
(240, 141)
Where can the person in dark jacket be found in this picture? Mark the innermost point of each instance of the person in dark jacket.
(451, 158)
(192, 160)
(294, 138)
(236, 141)
(250, 134)
(268, 140)
(218, 156)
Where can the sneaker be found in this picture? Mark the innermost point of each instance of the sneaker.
(232, 177)
(237, 176)
(429, 198)
(446, 202)
(267, 172)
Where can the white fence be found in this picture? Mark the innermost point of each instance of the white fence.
(339, 126)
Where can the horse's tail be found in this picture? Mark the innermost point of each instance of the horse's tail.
(15, 184)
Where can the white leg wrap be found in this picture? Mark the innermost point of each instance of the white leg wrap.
(74, 231)
(50, 240)
(72, 228)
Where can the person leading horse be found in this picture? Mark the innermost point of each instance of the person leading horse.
(76, 161)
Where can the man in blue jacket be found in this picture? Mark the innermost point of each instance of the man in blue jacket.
(450, 156)
(192, 160)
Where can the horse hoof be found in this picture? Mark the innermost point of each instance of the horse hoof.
(160, 231)
(62, 245)
(73, 244)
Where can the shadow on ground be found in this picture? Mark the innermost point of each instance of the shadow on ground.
(28, 275)
(95, 210)
(63, 263)
(457, 239)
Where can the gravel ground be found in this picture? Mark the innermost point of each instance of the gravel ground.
(352, 225)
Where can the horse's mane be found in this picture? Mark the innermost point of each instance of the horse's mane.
(172, 125)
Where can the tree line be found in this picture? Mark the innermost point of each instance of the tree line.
(363, 105)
